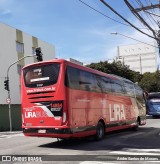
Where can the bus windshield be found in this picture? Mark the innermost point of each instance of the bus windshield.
(39, 76)
(154, 101)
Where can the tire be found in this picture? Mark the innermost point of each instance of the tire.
(137, 124)
(155, 116)
(99, 131)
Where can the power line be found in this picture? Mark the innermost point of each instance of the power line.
(136, 6)
(103, 13)
(143, 7)
(129, 23)
(151, 10)
(125, 19)
(138, 16)
(152, 14)
(117, 33)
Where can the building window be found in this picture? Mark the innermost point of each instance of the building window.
(20, 47)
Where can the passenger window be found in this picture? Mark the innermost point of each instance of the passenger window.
(81, 80)
(105, 84)
(72, 78)
(117, 86)
(139, 94)
(129, 87)
(88, 82)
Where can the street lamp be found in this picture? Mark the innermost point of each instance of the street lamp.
(6, 84)
(140, 60)
(122, 57)
(117, 33)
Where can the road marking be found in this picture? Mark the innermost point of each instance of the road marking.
(132, 153)
(147, 150)
(137, 152)
(132, 135)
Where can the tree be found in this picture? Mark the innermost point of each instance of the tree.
(151, 81)
(117, 68)
(148, 81)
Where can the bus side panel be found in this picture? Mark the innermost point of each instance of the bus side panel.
(118, 111)
(85, 109)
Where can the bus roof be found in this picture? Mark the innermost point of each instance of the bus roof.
(122, 78)
(111, 76)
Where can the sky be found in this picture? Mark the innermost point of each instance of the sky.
(74, 29)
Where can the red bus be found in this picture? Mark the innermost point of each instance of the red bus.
(62, 99)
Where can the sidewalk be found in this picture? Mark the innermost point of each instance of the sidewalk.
(10, 132)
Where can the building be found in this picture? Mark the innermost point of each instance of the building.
(139, 57)
(15, 44)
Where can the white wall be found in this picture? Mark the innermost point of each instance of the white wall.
(140, 57)
(8, 55)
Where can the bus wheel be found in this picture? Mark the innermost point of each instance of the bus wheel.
(137, 124)
(99, 131)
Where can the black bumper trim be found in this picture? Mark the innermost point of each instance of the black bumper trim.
(48, 131)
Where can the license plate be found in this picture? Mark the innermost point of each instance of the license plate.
(42, 131)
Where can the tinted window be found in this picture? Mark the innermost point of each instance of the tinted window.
(139, 94)
(117, 86)
(81, 80)
(105, 84)
(129, 88)
(41, 75)
(138, 90)
(72, 78)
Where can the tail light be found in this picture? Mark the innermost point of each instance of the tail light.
(64, 117)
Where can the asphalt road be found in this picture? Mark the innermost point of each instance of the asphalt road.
(123, 146)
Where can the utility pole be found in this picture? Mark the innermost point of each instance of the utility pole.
(143, 8)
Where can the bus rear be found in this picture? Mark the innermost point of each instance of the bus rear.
(43, 100)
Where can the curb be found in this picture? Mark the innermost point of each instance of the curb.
(10, 132)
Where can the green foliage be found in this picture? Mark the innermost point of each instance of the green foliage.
(151, 81)
(148, 81)
(117, 68)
